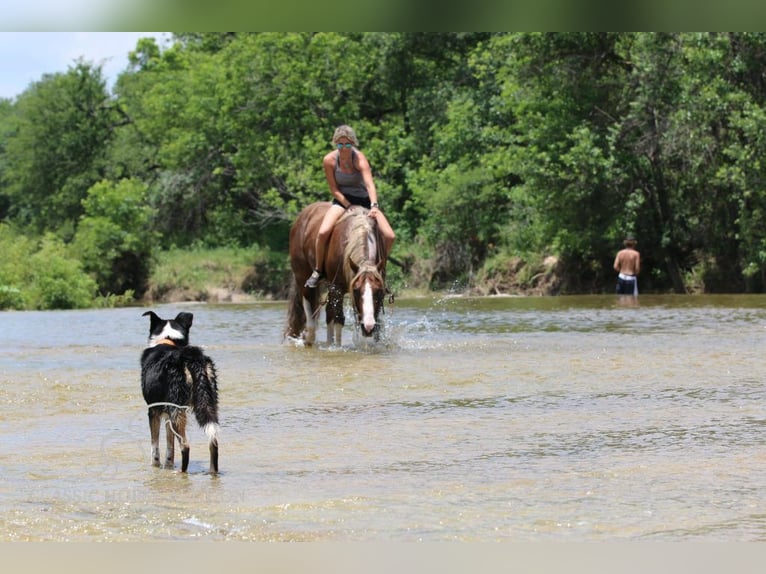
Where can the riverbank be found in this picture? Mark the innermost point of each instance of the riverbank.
(237, 275)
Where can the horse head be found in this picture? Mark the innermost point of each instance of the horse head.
(367, 290)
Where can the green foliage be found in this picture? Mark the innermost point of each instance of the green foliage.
(465, 212)
(14, 269)
(56, 150)
(10, 297)
(40, 274)
(198, 273)
(489, 151)
(114, 239)
(58, 281)
(268, 275)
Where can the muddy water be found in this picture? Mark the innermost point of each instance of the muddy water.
(543, 419)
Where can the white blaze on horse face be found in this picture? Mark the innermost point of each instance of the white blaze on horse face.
(368, 308)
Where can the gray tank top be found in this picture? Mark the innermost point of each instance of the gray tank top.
(350, 184)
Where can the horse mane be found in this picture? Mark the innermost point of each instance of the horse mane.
(362, 247)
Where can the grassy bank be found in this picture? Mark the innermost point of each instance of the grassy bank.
(220, 274)
(230, 274)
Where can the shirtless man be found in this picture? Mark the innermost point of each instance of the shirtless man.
(628, 266)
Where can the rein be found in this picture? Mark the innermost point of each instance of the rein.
(316, 312)
(366, 267)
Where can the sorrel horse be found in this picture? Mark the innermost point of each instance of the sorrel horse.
(354, 264)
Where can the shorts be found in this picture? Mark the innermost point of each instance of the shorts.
(627, 286)
(354, 200)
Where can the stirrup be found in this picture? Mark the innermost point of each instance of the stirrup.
(313, 279)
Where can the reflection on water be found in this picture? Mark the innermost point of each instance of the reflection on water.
(557, 418)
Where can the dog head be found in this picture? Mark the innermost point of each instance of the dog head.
(175, 330)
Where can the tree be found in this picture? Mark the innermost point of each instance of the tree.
(558, 100)
(53, 279)
(114, 239)
(62, 130)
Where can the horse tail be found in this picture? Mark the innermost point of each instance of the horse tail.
(296, 316)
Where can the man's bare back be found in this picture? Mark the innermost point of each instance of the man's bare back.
(628, 261)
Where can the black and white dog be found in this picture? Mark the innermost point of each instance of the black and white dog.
(176, 376)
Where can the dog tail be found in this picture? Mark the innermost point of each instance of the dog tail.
(204, 392)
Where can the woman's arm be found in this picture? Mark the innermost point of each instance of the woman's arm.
(364, 168)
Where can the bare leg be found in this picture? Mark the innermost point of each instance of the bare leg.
(387, 231)
(330, 218)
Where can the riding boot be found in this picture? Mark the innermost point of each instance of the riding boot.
(313, 280)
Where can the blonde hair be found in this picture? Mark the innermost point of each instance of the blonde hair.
(347, 132)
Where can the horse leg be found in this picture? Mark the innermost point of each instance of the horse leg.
(296, 316)
(330, 315)
(340, 320)
(310, 304)
(334, 331)
(330, 332)
(335, 317)
(338, 333)
(330, 318)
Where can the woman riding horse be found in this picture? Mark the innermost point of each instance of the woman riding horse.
(354, 263)
(349, 176)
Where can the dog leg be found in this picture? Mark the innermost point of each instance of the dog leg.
(213, 457)
(211, 430)
(180, 426)
(155, 415)
(170, 438)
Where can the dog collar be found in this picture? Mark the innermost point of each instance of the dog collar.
(166, 342)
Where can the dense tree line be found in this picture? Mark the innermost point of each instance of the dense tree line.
(490, 151)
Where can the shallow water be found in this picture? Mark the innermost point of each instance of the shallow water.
(513, 419)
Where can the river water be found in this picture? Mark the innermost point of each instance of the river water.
(509, 419)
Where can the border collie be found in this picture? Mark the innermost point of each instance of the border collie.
(176, 376)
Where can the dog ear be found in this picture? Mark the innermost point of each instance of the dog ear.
(185, 319)
(154, 319)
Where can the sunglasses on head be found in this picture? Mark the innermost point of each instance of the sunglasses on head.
(348, 145)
